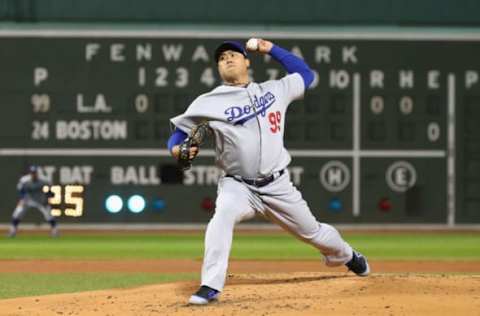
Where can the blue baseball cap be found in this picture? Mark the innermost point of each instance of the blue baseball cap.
(230, 45)
(33, 169)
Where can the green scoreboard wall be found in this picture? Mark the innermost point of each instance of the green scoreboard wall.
(267, 13)
(388, 133)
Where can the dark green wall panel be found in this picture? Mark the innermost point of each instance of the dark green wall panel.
(268, 12)
(373, 129)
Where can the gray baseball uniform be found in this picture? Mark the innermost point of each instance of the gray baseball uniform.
(249, 124)
(33, 197)
(30, 187)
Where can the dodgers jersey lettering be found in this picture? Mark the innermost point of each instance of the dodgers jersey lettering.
(248, 123)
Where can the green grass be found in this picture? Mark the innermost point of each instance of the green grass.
(419, 246)
(30, 284)
(273, 246)
(380, 247)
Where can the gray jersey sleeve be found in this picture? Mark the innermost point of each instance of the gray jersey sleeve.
(183, 122)
(293, 87)
(194, 115)
(20, 184)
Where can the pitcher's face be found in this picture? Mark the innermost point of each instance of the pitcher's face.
(232, 66)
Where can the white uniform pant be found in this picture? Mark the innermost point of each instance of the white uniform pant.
(281, 203)
(24, 204)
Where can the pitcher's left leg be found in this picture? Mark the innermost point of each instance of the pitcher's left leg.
(286, 207)
(303, 225)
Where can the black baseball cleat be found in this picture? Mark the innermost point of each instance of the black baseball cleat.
(203, 296)
(358, 264)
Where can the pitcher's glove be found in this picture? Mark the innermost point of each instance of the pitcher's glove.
(196, 138)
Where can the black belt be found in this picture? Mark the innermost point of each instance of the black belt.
(260, 182)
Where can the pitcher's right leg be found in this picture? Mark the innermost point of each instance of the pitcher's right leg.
(232, 206)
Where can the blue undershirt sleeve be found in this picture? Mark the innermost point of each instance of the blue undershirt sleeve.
(176, 138)
(292, 64)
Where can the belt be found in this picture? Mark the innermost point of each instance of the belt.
(260, 182)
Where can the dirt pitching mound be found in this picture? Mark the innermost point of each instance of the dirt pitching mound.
(275, 294)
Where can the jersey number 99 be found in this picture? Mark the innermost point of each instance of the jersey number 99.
(275, 118)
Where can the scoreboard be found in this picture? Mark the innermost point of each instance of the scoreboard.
(388, 132)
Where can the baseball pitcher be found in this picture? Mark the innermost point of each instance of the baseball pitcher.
(247, 120)
(30, 187)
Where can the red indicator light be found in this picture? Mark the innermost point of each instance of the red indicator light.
(385, 205)
(208, 205)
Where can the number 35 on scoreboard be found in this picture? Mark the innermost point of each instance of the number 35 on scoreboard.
(68, 198)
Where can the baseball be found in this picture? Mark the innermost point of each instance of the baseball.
(252, 44)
